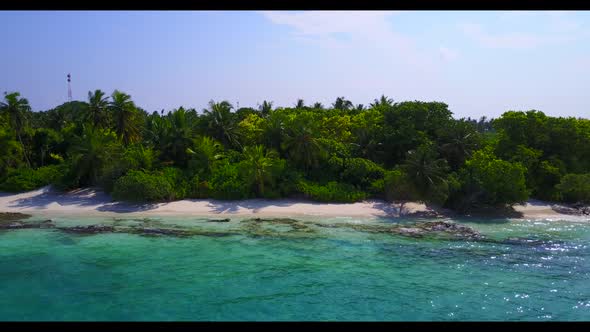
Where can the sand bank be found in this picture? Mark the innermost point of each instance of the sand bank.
(92, 202)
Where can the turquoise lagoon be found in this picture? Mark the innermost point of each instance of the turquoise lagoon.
(333, 274)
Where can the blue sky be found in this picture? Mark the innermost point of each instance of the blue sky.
(478, 62)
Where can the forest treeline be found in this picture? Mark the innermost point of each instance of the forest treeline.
(338, 153)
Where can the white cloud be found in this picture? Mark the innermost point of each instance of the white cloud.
(368, 29)
(556, 20)
(324, 23)
(561, 28)
(512, 40)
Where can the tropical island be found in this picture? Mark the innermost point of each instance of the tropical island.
(390, 151)
(344, 207)
(160, 166)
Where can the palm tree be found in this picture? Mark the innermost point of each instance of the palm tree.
(98, 105)
(17, 109)
(483, 124)
(300, 103)
(367, 145)
(43, 141)
(156, 129)
(222, 123)
(318, 106)
(257, 166)
(424, 169)
(461, 141)
(206, 150)
(11, 151)
(178, 136)
(91, 152)
(342, 104)
(265, 108)
(125, 116)
(302, 146)
(273, 130)
(383, 101)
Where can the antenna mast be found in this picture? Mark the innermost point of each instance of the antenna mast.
(69, 88)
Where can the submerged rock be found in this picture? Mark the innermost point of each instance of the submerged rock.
(90, 229)
(47, 224)
(24, 225)
(278, 227)
(12, 220)
(573, 211)
(449, 228)
(268, 227)
(161, 231)
(419, 229)
(219, 220)
(445, 226)
(12, 225)
(414, 232)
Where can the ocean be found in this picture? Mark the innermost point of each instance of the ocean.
(229, 273)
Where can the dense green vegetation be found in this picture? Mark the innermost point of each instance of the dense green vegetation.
(342, 153)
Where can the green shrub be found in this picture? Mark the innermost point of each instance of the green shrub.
(287, 184)
(377, 188)
(271, 194)
(109, 177)
(499, 181)
(546, 177)
(68, 179)
(198, 188)
(360, 171)
(134, 157)
(487, 181)
(227, 184)
(138, 186)
(398, 187)
(575, 188)
(177, 179)
(332, 192)
(26, 179)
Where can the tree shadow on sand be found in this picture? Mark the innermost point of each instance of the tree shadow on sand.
(255, 205)
(399, 209)
(80, 197)
(121, 207)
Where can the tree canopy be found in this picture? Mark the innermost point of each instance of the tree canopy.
(391, 150)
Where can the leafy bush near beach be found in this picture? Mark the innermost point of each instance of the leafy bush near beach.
(287, 184)
(177, 179)
(361, 172)
(489, 181)
(198, 188)
(133, 157)
(226, 183)
(26, 179)
(67, 178)
(139, 186)
(332, 192)
(575, 188)
(377, 188)
(398, 187)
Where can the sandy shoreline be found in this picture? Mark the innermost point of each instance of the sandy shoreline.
(90, 202)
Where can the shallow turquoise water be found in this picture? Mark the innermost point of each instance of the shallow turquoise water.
(340, 275)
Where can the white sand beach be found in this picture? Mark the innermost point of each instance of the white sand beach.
(92, 202)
